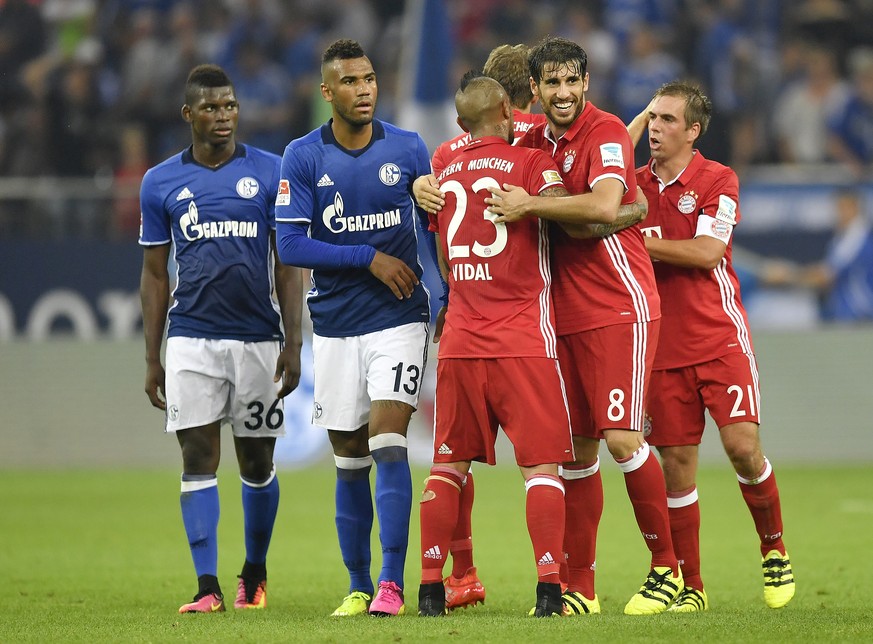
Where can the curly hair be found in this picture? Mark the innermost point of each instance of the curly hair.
(342, 50)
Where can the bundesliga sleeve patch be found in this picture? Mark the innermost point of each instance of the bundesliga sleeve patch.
(551, 176)
(611, 154)
(284, 196)
(727, 210)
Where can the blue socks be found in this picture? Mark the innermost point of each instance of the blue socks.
(393, 502)
(199, 501)
(354, 519)
(260, 501)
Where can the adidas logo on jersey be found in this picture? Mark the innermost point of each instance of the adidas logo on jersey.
(546, 559)
(444, 449)
(185, 194)
(324, 181)
(433, 553)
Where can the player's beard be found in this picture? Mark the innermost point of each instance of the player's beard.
(356, 120)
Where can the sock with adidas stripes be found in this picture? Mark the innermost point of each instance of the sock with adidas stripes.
(644, 480)
(544, 509)
(462, 539)
(439, 516)
(583, 490)
(761, 495)
(684, 512)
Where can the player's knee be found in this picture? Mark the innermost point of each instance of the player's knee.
(622, 444)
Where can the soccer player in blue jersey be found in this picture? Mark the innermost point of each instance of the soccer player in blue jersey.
(213, 205)
(345, 210)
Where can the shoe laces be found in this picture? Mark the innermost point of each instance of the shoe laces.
(775, 568)
(656, 579)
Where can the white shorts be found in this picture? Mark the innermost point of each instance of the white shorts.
(223, 380)
(351, 372)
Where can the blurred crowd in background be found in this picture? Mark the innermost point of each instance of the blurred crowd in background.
(93, 88)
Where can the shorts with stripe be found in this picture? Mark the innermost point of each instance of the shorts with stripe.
(727, 387)
(524, 396)
(607, 373)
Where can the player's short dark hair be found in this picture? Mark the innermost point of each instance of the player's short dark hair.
(556, 52)
(469, 76)
(342, 50)
(698, 108)
(204, 76)
(508, 65)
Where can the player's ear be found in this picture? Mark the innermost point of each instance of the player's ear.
(186, 113)
(326, 94)
(461, 124)
(534, 89)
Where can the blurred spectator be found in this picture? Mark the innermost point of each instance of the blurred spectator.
(622, 17)
(851, 126)
(22, 38)
(732, 63)
(827, 23)
(578, 24)
(802, 112)
(645, 68)
(130, 167)
(262, 91)
(251, 21)
(143, 74)
(844, 278)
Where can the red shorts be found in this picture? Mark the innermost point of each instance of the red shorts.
(727, 387)
(524, 396)
(607, 372)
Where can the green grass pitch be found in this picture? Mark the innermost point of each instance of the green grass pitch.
(100, 556)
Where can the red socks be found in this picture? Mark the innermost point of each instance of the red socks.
(439, 517)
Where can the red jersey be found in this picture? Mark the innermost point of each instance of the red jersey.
(500, 302)
(597, 282)
(703, 316)
(442, 156)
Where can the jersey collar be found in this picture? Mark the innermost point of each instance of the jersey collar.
(684, 176)
(574, 128)
(485, 140)
(188, 156)
(327, 137)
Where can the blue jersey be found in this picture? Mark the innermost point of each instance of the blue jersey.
(353, 198)
(219, 221)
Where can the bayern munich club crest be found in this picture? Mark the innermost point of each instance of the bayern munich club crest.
(568, 160)
(687, 202)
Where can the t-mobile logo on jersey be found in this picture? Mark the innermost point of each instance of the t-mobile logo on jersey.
(336, 222)
(652, 231)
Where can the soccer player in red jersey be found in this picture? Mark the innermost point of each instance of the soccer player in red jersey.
(607, 312)
(705, 359)
(507, 64)
(499, 278)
